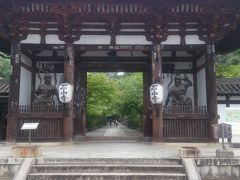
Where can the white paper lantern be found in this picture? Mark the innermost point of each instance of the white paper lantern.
(65, 93)
(156, 93)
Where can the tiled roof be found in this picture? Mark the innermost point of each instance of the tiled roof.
(228, 86)
(4, 86)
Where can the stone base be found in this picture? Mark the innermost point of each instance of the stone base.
(80, 139)
(188, 152)
(26, 151)
(235, 145)
(146, 139)
(224, 153)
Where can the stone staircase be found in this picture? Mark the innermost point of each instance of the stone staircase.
(9, 167)
(107, 169)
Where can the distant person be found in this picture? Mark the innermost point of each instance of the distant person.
(116, 123)
(110, 122)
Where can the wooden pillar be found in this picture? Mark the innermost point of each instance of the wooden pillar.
(69, 78)
(211, 88)
(80, 102)
(34, 71)
(147, 120)
(195, 86)
(13, 101)
(157, 115)
(227, 100)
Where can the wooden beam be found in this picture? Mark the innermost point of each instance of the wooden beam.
(104, 47)
(26, 67)
(183, 47)
(119, 59)
(202, 66)
(113, 67)
(87, 47)
(228, 102)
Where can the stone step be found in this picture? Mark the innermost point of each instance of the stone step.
(118, 161)
(106, 176)
(106, 168)
(5, 178)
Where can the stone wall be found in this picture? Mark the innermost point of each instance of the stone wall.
(9, 167)
(218, 169)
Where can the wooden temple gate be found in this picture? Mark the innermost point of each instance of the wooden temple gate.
(161, 38)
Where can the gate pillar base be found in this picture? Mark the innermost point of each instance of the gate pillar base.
(26, 151)
(80, 139)
(146, 139)
(224, 153)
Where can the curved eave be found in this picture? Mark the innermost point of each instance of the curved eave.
(228, 87)
(5, 46)
(230, 43)
(228, 94)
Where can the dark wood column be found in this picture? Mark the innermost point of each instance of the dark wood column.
(157, 117)
(211, 88)
(69, 78)
(34, 71)
(80, 102)
(195, 86)
(13, 101)
(147, 120)
(227, 100)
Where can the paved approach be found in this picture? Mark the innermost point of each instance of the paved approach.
(116, 149)
(120, 130)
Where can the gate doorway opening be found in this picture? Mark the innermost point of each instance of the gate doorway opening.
(114, 106)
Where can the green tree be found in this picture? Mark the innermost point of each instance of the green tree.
(130, 99)
(231, 71)
(100, 96)
(228, 65)
(5, 68)
(228, 59)
(120, 97)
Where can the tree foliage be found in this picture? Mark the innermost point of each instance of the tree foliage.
(100, 94)
(232, 58)
(231, 71)
(119, 97)
(228, 65)
(130, 102)
(5, 69)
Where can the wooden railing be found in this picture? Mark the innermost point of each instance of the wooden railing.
(184, 110)
(185, 123)
(50, 119)
(48, 129)
(40, 108)
(110, 8)
(86, 8)
(187, 8)
(179, 122)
